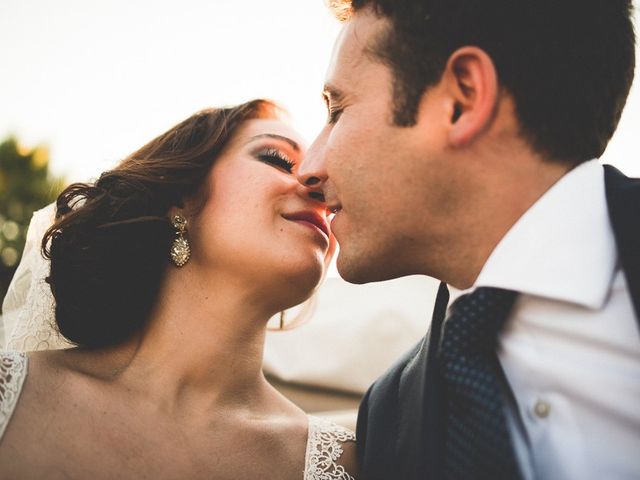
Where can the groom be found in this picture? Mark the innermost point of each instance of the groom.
(460, 144)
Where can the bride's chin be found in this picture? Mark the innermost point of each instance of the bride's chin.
(300, 285)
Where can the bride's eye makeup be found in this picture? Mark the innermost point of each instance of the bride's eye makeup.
(276, 158)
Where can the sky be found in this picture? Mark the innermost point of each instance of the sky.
(95, 80)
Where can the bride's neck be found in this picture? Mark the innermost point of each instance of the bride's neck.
(203, 343)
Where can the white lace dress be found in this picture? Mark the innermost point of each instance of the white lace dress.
(324, 443)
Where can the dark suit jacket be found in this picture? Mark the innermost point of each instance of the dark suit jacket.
(400, 428)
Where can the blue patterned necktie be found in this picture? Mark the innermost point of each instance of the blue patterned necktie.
(477, 440)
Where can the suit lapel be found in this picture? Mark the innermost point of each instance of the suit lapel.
(420, 421)
(623, 200)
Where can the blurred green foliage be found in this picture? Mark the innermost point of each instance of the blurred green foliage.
(26, 185)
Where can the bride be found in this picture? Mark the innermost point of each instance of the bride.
(165, 273)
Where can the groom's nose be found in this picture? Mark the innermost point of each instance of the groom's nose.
(312, 172)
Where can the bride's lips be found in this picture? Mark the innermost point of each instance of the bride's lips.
(310, 217)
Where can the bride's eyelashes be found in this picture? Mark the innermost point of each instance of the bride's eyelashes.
(275, 158)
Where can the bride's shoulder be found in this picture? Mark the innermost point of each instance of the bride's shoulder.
(331, 451)
(31, 384)
(15, 365)
(13, 371)
(43, 368)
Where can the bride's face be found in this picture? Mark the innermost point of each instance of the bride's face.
(258, 222)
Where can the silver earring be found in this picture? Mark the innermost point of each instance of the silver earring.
(180, 250)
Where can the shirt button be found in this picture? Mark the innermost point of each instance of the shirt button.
(542, 409)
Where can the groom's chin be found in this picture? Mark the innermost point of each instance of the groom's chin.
(362, 269)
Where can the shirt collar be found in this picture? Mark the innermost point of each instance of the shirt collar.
(563, 247)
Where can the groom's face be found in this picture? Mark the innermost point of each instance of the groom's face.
(384, 180)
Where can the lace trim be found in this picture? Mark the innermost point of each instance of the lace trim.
(13, 371)
(324, 449)
(34, 329)
(29, 308)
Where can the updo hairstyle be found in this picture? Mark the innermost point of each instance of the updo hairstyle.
(109, 244)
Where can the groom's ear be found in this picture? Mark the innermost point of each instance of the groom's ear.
(470, 83)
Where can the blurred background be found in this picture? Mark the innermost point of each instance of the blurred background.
(84, 83)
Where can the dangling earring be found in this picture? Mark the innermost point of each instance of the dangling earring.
(180, 250)
(282, 320)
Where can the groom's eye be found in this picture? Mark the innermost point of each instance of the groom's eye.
(332, 99)
(334, 114)
(276, 158)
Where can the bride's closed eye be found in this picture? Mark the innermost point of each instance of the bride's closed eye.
(275, 158)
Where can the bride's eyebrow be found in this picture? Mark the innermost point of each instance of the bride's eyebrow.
(293, 144)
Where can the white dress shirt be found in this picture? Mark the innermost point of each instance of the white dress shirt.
(571, 348)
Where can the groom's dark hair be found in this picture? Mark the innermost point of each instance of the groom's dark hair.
(568, 64)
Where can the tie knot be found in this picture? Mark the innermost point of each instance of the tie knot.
(475, 319)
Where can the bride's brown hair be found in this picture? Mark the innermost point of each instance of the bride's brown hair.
(109, 245)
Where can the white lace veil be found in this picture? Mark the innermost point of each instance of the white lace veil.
(27, 321)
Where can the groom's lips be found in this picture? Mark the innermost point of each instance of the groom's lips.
(334, 208)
